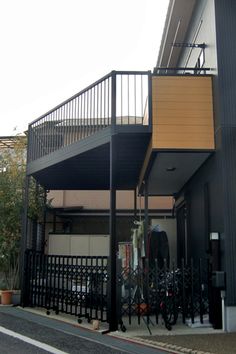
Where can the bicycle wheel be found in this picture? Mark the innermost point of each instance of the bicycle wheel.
(169, 312)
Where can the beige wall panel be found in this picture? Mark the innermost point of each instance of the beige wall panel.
(79, 245)
(57, 198)
(99, 245)
(182, 113)
(59, 244)
(87, 199)
(100, 200)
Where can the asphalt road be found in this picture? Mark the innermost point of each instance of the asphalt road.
(10, 345)
(58, 336)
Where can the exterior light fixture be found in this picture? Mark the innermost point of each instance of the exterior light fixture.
(171, 169)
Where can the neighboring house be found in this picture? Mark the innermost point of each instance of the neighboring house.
(84, 215)
(165, 133)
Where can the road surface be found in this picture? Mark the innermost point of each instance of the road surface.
(22, 332)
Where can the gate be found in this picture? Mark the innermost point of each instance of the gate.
(169, 294)
(69, 284)
(77, 285)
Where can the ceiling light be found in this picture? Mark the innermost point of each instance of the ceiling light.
(171, 169)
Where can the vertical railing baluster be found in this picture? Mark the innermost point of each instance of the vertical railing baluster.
(121, 99)
(80, 117)
(76, 286)
(100, 105)
(69, 119)
(128, 102)
(130, 295)
(102, 287)
(87, 295)
(87, 113)
(157, 291)
(109, 101)
(183, 290)
(105, 120)
(82, 295)
(135, 112)
(58, 284)
(46, 282)
(147, 303)
(200, 287)
(92, 287)
(63, 284)
(53, 283)
(175, 291)
(192, 290)
(142, 109)
(39, 278)
(71, 283)
(31, 277)
(42, 280)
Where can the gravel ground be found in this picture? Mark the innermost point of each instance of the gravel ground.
(224, 343)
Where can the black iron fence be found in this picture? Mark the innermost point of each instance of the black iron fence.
(78, 286)
(168, 294)
(119, 98)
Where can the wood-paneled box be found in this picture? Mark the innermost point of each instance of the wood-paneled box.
(182, 112)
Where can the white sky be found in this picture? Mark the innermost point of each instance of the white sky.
(52, 49)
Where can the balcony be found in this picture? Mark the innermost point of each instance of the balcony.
(74, 137)
(182, 131)
(162, 125)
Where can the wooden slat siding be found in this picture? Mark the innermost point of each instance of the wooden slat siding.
(182, 112)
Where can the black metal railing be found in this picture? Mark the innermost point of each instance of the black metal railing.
(77, 285)
(180, 71)
(68, 284)
(119, 98)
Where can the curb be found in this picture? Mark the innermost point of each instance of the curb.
(175, 349)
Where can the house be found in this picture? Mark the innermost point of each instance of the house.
(163, 133)
(198, 34)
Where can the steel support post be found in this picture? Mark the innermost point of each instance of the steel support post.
(146, 218)
(112, 293)
(44, 221)
(24, 240)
